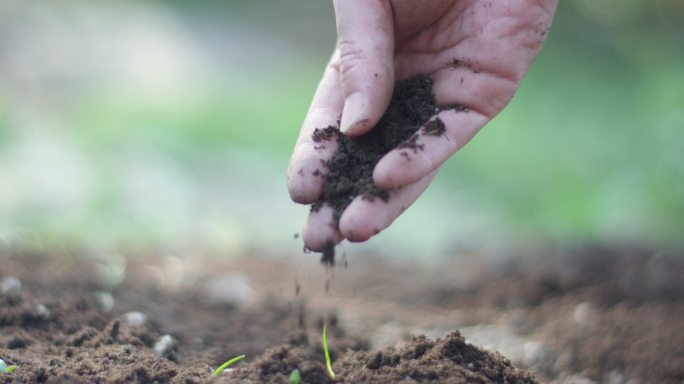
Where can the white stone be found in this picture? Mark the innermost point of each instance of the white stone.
(104, 300)
(230, 288)
(135, 318)
(584, 313)
(42, 311)
(614, 377)
(10, 284)
(165, 345)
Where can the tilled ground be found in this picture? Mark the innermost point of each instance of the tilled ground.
(597, 315)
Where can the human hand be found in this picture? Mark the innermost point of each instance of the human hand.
(476, 52)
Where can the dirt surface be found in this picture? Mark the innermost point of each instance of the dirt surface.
(350, 171)
(61, 324)
(447, 360)
(594, 315)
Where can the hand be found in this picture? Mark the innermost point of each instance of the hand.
(476, 52)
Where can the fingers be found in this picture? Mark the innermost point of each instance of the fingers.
(366, 43)
(408, 165)
(363, 218)
(305, 170)
(319, 229)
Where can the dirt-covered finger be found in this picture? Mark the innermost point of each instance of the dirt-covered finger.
(320, 230)
(317, 142)
(434, 142)
(365, 218)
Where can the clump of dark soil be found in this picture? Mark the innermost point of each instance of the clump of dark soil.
(447, 360)
(350, 171)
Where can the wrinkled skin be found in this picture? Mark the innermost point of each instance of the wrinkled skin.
(477, 52)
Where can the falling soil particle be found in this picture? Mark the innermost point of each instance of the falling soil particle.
(328, 254)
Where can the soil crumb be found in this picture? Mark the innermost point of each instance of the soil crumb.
(323, 134)
(434, 127)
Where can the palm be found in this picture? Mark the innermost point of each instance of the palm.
(476, 52)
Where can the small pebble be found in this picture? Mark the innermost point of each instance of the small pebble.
(231, 288)
(614, 377)
(42, 311)
(10, 284)
(584, 313)
(135, 318)
(166, 346)
(3, 366)
(104, 300)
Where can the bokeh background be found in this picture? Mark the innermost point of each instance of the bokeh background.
(167, 125)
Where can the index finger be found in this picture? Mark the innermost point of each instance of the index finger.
(307, 163)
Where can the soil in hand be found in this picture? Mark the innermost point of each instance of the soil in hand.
(350, 171)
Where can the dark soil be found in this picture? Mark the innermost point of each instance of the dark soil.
(598, 314)
(57, 329)
(350, 171)
(447, 360)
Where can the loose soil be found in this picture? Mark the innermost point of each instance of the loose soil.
(597, 314)
(350, 171)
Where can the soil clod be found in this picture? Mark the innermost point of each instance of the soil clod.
(434, 127)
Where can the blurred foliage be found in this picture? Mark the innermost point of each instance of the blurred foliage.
(194, 106)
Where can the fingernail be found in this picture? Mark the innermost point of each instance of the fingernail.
(355, 111)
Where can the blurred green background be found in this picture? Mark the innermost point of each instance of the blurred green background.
(167, 125)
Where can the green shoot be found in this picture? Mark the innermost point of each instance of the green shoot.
(328, 364)
(11, 369)
(295, 377)
(228, 364)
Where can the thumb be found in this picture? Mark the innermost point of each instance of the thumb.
(365, 36)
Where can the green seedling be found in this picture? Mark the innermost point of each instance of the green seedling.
(228, 364)
(295, 377)
(328, 364)
(6, 369)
